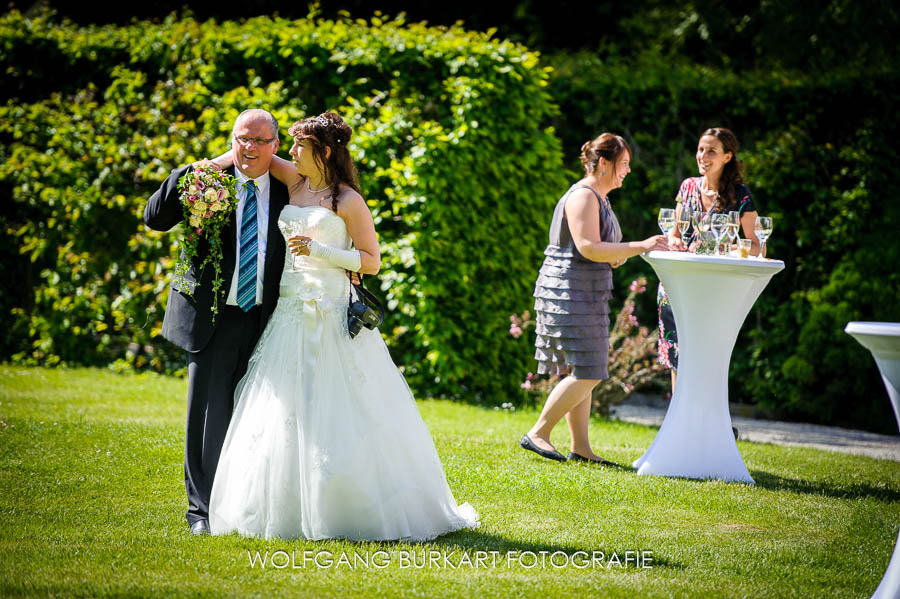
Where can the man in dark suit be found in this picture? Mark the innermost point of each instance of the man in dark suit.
(219, 346)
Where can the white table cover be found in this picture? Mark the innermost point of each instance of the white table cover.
(710, 298)
(883, 340)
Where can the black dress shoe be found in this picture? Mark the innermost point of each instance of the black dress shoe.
(576, 457)
(200, 527)
(552, 454)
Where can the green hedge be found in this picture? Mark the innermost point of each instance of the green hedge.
(461, 170)
(820, 155)
(457, 167)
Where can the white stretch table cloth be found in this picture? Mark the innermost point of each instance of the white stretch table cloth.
(883, 340)
(710, 297)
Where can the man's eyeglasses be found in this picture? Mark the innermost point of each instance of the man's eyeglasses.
(259, 141)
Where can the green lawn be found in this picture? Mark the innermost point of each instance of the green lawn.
(92, 504)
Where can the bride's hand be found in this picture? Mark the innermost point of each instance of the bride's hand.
(299, 245)
(619, 263)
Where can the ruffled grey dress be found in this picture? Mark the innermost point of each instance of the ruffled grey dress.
(571, 300)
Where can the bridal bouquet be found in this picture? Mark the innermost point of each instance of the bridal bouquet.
(208, 197)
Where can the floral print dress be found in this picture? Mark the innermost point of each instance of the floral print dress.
(689, 195)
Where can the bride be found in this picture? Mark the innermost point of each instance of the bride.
(326, 440)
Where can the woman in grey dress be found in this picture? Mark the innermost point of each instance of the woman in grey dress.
(572, 295)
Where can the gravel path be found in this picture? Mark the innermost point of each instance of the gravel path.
(832, 438)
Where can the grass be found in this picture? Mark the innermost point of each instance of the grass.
(92, 504)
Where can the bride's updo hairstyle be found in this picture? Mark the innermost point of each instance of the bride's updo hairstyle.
(329, 130)
(606, 145)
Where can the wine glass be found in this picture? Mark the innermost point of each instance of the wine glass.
(666, 220)
(290, 229)
(684, 223)
(718, 224)
(734, 225)
(700, 221)
(763, 229)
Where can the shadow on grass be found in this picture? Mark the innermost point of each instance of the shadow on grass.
(608, 465)
(767, 480)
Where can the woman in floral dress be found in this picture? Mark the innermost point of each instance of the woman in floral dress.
(720, 188)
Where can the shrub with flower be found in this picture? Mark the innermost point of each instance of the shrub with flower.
(208, 197)
(632, 357)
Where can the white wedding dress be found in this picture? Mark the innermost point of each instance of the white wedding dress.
(326, 440)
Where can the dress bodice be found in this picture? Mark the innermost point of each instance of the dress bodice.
(307, 277)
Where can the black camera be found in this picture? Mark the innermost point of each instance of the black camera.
(364, 312)
(360, 315)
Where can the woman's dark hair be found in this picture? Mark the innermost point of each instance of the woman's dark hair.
(606, 145)
(329, 130)
(732, 171)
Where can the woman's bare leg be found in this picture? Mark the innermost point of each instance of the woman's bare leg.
(578, 419)
(567, 394)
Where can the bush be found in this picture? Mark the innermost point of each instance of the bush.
(459, 173)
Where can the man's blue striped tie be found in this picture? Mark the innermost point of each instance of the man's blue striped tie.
(246, 294)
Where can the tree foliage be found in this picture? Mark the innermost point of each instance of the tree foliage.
(460, 140)
(818, 153)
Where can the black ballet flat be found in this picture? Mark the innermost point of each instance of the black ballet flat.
(576, 457)
(527, 443)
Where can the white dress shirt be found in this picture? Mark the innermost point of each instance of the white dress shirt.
(262, 229)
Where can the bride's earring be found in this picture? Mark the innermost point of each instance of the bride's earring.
(602, 173)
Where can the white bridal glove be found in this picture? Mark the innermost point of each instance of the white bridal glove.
(346, 259)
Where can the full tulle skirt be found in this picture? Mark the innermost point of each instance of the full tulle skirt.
(326, 440)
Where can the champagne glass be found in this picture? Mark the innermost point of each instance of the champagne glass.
(718, 224)
(700, 221)
(763, 229)
(684, 223)
(666, 220)
(734, 225)
(290, 229)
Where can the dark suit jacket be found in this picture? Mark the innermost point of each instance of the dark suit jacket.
(189, 320)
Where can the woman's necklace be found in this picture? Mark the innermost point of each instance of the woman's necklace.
(311, 190)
